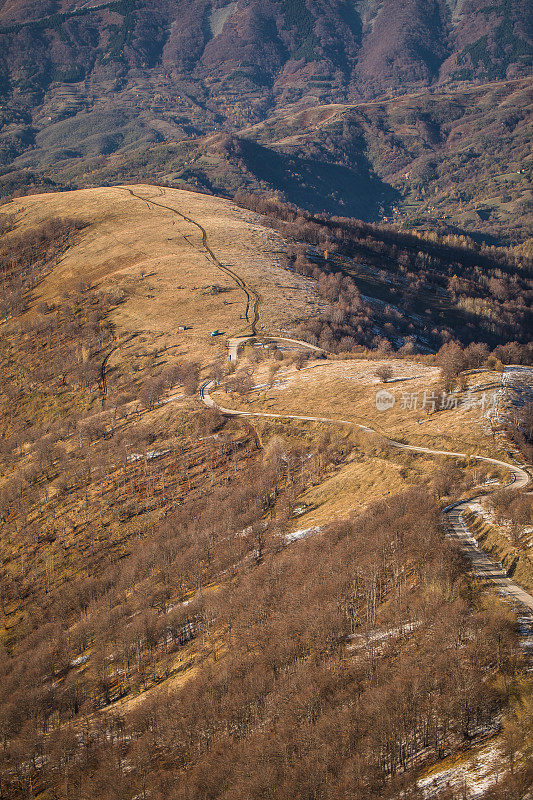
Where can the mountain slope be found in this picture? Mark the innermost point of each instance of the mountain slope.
(192, 606)
(358, 47)
(104, 92)
(145, 245)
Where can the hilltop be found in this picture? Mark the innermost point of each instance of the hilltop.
(145, 245)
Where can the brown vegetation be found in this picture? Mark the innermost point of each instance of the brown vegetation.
(26, 257)
(425, 291)
(160, 635)
(301, 666)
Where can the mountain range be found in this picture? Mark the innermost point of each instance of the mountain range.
(95, 93)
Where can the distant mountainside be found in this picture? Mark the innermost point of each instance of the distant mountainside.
(277, 47)
(85, 83)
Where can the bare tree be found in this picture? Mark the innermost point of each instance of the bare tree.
(384, 372)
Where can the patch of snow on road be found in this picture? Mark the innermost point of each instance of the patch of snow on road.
(525, 625)
(477, 508)
(467, 534)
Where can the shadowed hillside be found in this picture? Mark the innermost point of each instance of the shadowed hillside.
(127, 90)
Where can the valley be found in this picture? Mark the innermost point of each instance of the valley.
(260, 100)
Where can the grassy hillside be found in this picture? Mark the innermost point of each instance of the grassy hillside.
(197, 606)
(155, 262)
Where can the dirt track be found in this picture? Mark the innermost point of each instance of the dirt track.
(483, 566)
(253, 298)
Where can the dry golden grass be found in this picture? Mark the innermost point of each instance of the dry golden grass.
(359, 482)
(191, 660)
(347, 390)
(158, 259)
(182, 673)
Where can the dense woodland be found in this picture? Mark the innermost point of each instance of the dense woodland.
(413, 292)
(294, 697)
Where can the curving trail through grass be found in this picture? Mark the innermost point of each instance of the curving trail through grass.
(253, 298)
(483, 566)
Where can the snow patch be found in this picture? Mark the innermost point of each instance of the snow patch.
(299, 511)
(477, 508)
(301, 534)
(77, 662)
(172, 398)
(473, 777)
(359, 640)
(149, 456)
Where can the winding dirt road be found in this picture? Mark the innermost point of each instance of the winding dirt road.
(253, 298)
(483, 566)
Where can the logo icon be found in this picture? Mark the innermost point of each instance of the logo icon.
(384, 400)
